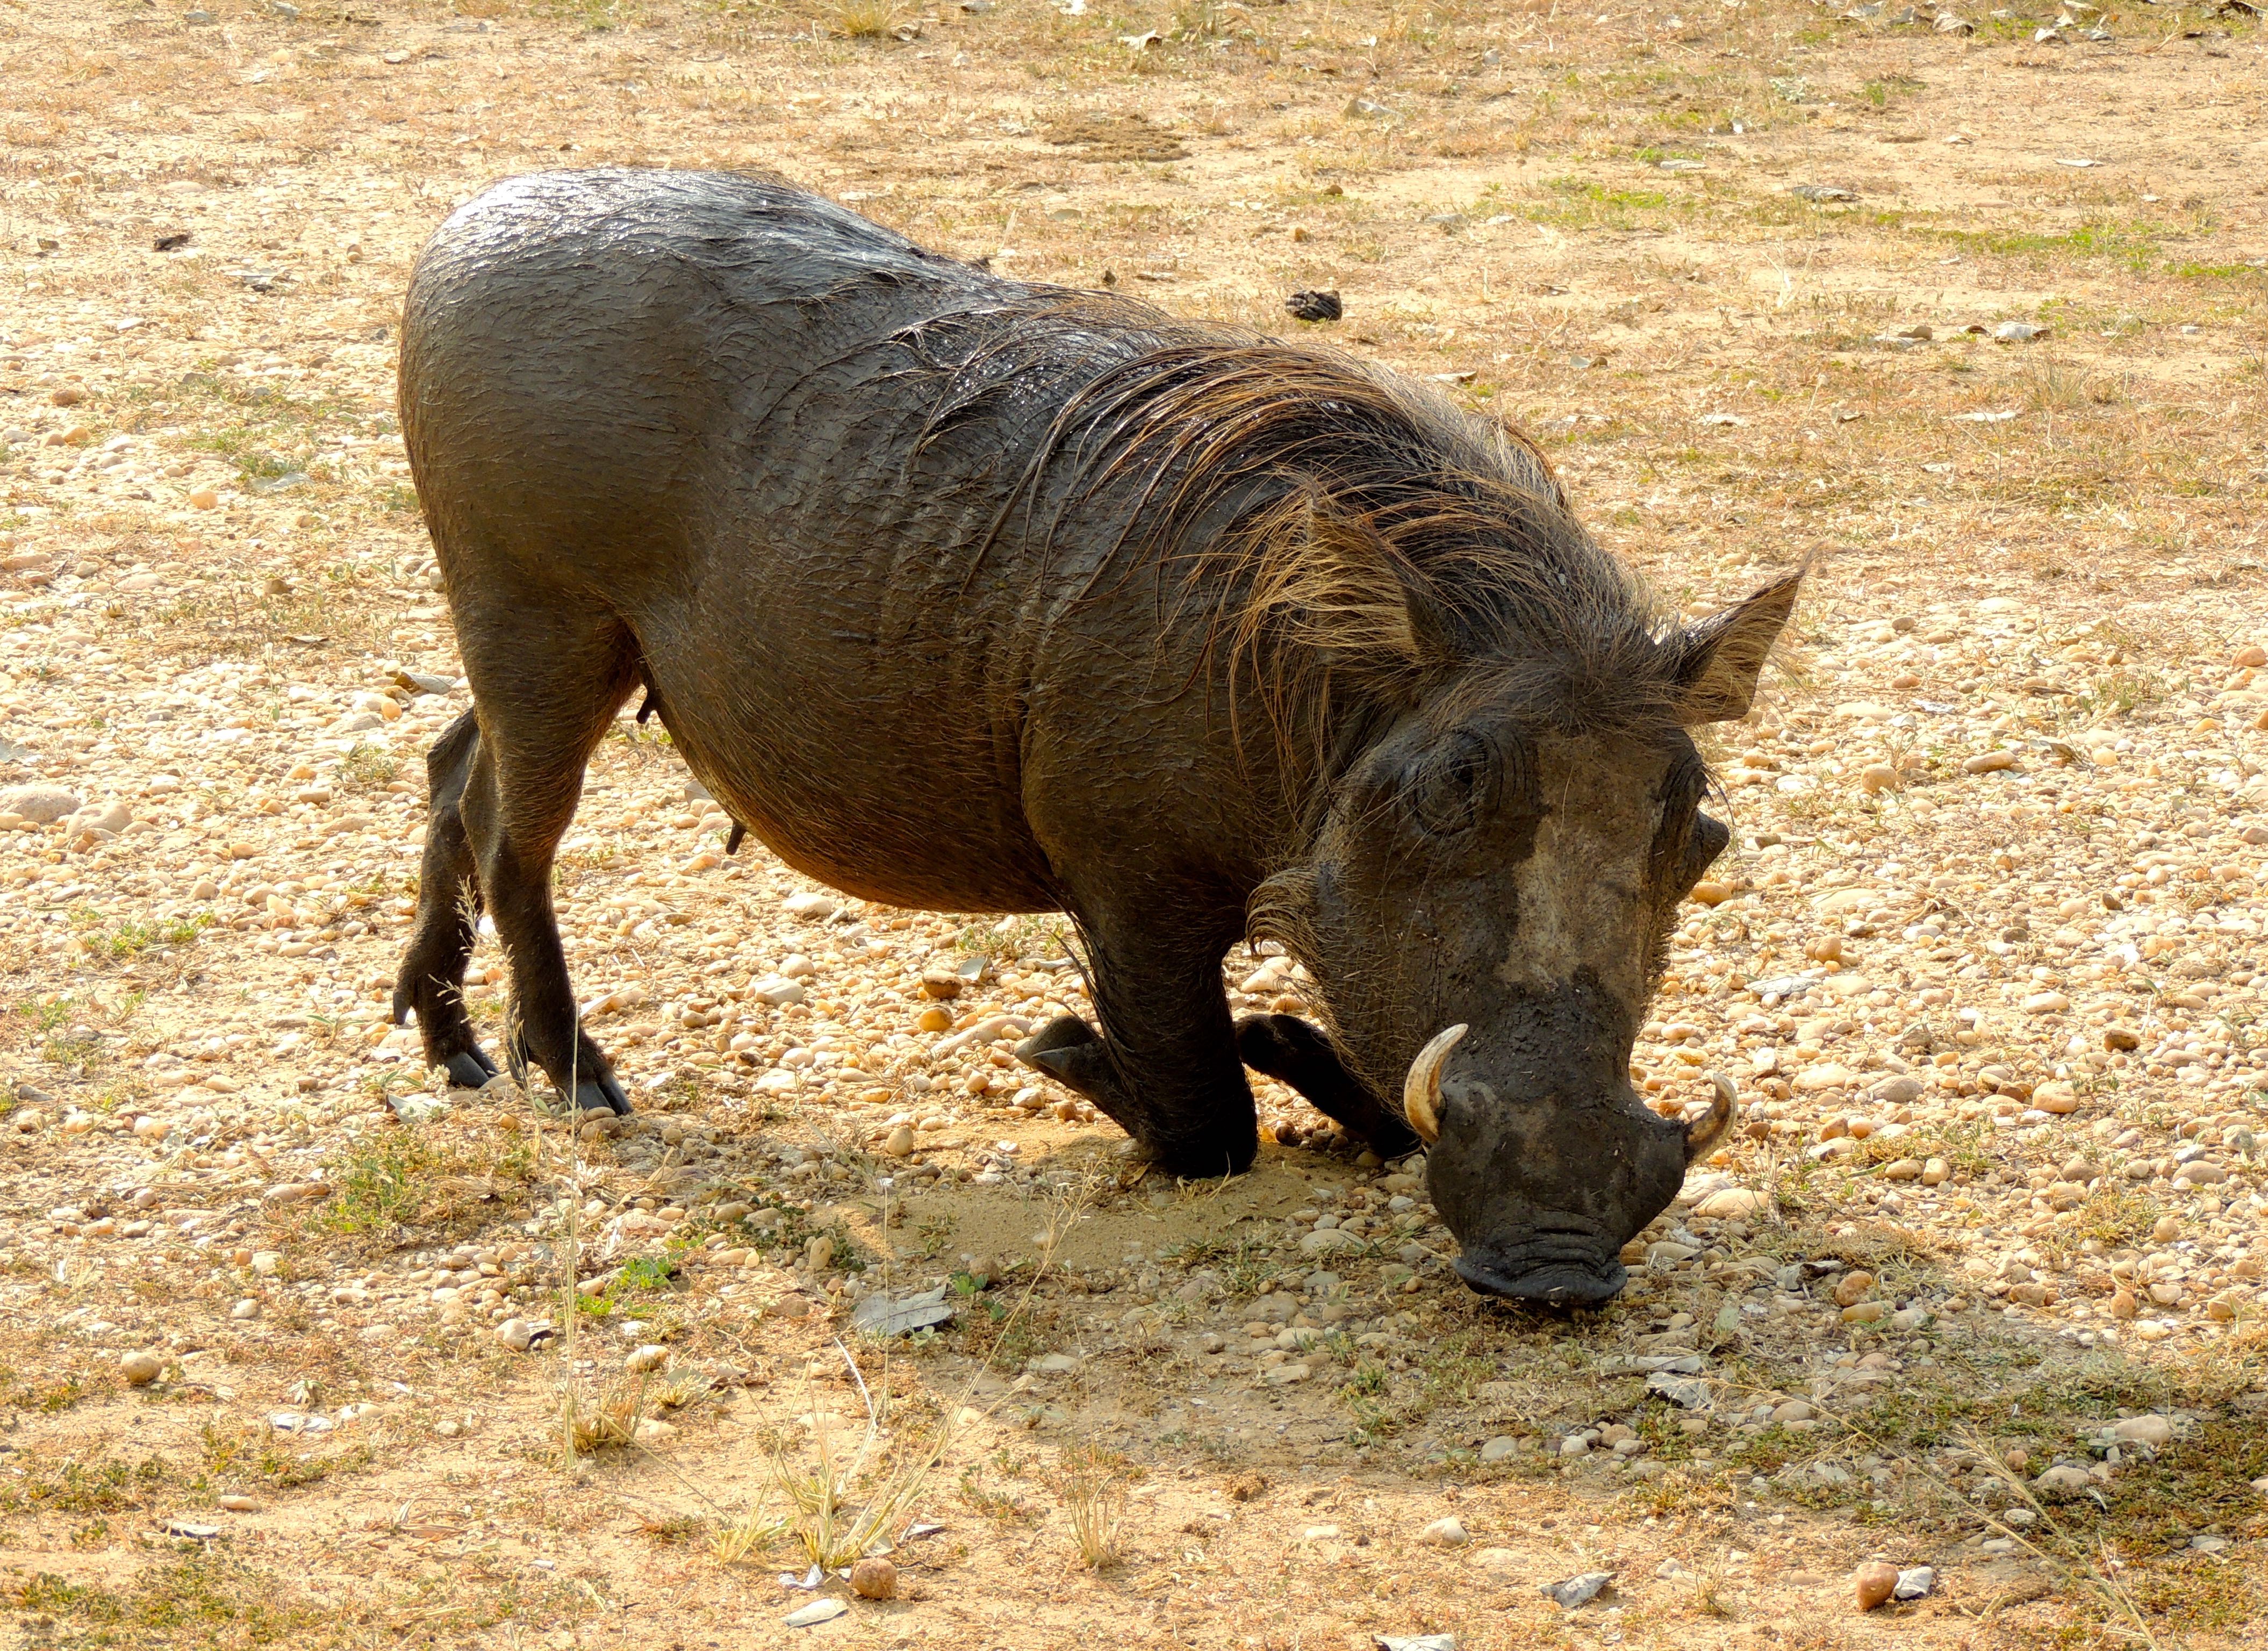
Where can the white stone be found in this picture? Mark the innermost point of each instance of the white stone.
(42, 805)
(2146, 1430)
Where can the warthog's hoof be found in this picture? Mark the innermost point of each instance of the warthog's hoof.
(601, 1095)
(470, 1069)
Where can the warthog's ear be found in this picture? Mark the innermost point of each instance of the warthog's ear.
(1719, 658)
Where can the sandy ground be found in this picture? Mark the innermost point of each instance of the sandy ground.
(1972, 319)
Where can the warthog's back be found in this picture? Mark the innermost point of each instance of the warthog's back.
(778, 446)
(599, 347)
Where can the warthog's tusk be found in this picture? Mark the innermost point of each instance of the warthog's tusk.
(1702, 1133)
(1421, 1090)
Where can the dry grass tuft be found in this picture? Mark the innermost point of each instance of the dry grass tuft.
(1094, 1497)
(868, 19)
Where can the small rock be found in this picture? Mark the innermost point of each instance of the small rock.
(1866, 1312)
(1794, 1410)
(899, 1142)
(1446, 1533)
(1936, 1172)
(2018, 332)
(1853, 1286)
(515, 1334)
(2144, 1430)
(874, 1579)
(818, 1611)
(1732, 1204)
(42, 805)
(1499, 1447)
(816, 908)
(1988, 762)
(1875, 1583)
(247, 1308)
(1577, 1590)
(237, 1504)
(1914, 1583)
(649, 1432)
(141, 1368)
(2063, 1481)
(777, 990)
(643, 1359)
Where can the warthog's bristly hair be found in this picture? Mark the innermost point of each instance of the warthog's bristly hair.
(1348, 536)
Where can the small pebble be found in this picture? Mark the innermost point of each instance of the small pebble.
(1874, 1582)
(141, 1368)
(874, 1579)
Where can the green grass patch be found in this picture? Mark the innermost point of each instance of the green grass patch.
(396, 1180)
(206, 1599)
(2133, 244)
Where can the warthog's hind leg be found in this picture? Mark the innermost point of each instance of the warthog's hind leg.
(549, 683)
(432, 976)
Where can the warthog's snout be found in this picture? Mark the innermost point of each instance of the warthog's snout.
(1494, 1177)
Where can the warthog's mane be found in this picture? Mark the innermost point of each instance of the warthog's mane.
(1352, 540)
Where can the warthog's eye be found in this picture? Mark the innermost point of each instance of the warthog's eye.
(1451, 789)
(1690, 840)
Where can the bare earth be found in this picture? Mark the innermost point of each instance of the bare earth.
(1983, 963)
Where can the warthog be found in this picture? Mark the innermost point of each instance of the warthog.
(974, 594)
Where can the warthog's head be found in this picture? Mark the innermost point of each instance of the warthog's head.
(1485, 908)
